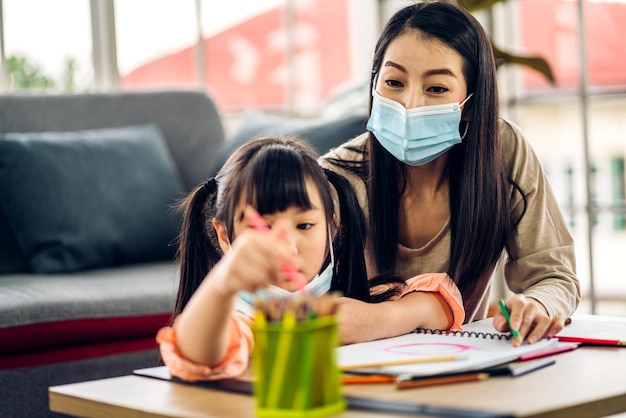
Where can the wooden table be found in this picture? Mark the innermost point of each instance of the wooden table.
(588, 382)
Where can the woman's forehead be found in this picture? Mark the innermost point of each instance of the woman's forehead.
(417, 53)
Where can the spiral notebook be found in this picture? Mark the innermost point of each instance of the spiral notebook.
(472, 350)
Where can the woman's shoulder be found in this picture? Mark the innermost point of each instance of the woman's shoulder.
(519, 158)
(510, 133)
(515, 147)
(352, 150)
(348, 159)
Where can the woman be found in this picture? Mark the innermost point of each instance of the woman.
(449, 186)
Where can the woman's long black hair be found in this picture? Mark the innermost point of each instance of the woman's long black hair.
(479, 202)
(272, 173)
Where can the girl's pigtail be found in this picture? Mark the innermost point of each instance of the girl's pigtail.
(350, 272)
(196, 251)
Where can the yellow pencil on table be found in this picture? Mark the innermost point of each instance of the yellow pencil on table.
(401, 362)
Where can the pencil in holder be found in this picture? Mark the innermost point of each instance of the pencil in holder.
(295, 368)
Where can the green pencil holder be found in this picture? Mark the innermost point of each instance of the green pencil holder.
(295, 368)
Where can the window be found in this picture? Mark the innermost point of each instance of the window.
(155, 44)
(47, 45)
(561, 123)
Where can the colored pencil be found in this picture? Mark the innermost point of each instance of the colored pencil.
(592, 341)
(560, 348)
(366, 379)
(413, 360)
(506, 314)
(522, 368)
(432, 381)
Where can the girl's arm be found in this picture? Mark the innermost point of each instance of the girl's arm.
(203, 331)
(203, 328)
(429, 301)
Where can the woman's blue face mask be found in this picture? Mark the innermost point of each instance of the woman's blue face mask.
(415, 136)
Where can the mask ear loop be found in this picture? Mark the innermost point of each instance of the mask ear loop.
(330, 247)
(374, 81)
(467, 122)
(466, 99)
(465, 131)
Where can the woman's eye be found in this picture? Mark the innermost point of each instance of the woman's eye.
(393, 83)
(438, 89)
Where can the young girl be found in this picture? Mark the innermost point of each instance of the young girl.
(280, 178)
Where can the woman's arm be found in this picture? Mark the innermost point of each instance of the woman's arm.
(541, 262)
(541, 266)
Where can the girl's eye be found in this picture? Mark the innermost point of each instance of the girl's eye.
(305, 226)
(393, 83)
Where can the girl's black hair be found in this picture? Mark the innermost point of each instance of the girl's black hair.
(271, 173)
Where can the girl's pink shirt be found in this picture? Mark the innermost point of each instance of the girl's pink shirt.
(235, 361)
(241, 343)
(442, 284)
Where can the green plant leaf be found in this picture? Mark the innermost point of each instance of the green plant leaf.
(473, 5)
(536, 63)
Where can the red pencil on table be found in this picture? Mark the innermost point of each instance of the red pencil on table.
(259, 224)
(366, 379)
(592, 341)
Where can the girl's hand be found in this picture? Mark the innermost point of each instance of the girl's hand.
(356, 320)
(361, 321)
(254, 260)
(530, 319)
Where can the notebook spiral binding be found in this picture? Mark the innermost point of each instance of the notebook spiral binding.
(471, 334)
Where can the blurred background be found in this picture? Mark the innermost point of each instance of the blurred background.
(562, 78)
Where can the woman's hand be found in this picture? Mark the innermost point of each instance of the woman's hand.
(530, 318)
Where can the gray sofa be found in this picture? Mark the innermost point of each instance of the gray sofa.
(87, 231)
(70, 322)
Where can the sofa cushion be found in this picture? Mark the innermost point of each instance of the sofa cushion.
(87, 199)
(38, 312)
(11, 258)
(188, 119)
(322, 134)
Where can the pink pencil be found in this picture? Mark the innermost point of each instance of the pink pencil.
(259, 224)
(560, 348)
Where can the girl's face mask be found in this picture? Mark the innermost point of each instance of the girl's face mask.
(415, 136)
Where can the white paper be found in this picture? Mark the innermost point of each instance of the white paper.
(481, 352)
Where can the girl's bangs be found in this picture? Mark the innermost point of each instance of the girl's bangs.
(276, 181)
